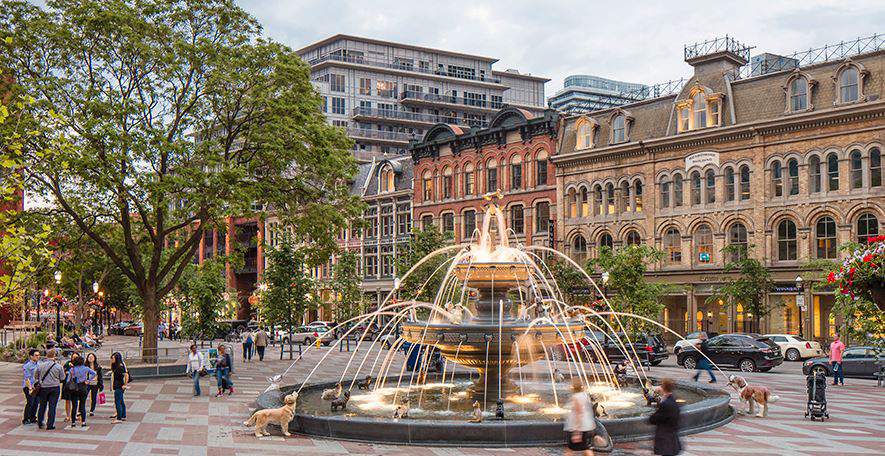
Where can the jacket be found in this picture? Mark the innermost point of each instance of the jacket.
(666, 421)
(261, 339)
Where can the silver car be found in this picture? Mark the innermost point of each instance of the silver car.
(307, 335)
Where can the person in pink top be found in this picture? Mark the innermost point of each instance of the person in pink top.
(836, 349)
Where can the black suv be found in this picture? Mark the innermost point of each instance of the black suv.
(749, 353)
(649, 349)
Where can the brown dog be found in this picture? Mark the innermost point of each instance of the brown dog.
(751, 395)
(281, 416)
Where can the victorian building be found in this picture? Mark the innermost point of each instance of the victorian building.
(785, 164)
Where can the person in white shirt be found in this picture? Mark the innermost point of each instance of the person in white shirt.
(195, 364)
(580, 422)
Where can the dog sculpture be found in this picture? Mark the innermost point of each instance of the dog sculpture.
(751, 395)
(341, 402)
(332, 393)
(652, 394)
(402, 410)
(558, 377)
(364, 384)
(282, 416)
(477, 413)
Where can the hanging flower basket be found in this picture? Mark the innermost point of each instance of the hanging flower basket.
(862, 275)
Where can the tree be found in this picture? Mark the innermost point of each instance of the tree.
(569, 280)
(201, 291)
(289, 287)
(626, 268)
(346, 279)
(164, 118)
(750, 285)
(423, 283)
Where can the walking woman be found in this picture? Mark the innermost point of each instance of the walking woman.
(222, 371)
(97, 384)
(196, 366)
(78, 384)
(247, 346)
(65, 393)
(580, 423)
(119, 381)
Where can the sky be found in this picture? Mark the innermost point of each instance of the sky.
(635, 41)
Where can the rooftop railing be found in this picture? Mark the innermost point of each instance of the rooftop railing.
(407, 116)
(368, 133)
(402, 66)
(437, 98)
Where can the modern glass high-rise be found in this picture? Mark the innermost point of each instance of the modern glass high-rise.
(582, 94)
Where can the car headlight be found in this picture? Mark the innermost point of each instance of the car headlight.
(807, 363)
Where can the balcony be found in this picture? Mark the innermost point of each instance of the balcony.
(378, 136)
(410, 118)
(401, 66)
(432, 99)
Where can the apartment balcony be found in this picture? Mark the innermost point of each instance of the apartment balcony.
(381, 137)
(448, 101)
(410, 118)
(398, 66)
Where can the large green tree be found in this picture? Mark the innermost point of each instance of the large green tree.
(200, 297)
(176, 114)
(424, 282)
(748, 284)
(290, 290)
(345, 284)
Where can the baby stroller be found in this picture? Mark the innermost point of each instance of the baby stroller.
(816, 384)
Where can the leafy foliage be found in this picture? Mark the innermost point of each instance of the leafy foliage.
(424, 282)
(201, 291)
(568, 278)
(290, 288)
(750, 285)
(346, 280)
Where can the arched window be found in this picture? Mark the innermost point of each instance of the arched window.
(825, 235)
(491, 176)
(541, 169)
(606, 244)
(633, 238)
(597, 200)
(875, 168)
(814, 174)
(572, 203)
(579, 246)
(695, 188)
(799, 94)
(745, 182)
(793, 174)
(428, 185)
(673, 246)
(832, 172)
(699, 104)
(469, 183)
(777, 179)
(637, 196)
(703, 244)
(619, 129)
(737, 237)
(677, 190)
(448, 183)
(848, 85)
(729, 184)
(516, 172)
(856, 169)
(624, 200)
(786, 240)
(585, 136)
(386, 180)
(665, 192)
(610, 198)
(585, 203)
(867, 227)
(711, 186)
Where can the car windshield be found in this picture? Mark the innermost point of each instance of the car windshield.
(798, 338)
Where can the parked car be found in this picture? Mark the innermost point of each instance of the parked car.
(118, 327)
(796, 348)
(135, 329)
(691, 339)
(307, 335)
(649, 348)
(862, 362)
(330, 324)
(749, 353)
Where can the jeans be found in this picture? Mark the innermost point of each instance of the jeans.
(120, 404)
(247, 352)
(838, 375)
(704, 364)
(48, 400)
(223, 376)
(260, 350)
(196, 377)
(31, 404)
(93, 393)
(78, 404)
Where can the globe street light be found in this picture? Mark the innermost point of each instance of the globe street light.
(800, 300)
(58, 276)
(605, 284)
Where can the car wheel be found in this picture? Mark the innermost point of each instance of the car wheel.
(792, 355)
(677, 350)
(819, 370)
(747, 365)
(307, 341)
(689, 363)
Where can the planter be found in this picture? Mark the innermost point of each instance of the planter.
(877, 292)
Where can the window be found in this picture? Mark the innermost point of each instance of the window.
(745, 182)
(469, 218)
(856, 170)
(665, 192)
(699, 104)
(714, 113)
(832, 172)
(633, 238)
(703, 242)
(695, 188)
(606, 244)
(793, 174)
(610, 198)
(684, 118)
(371, 262)
(867, 227)
(448, 183)
(777, 179)
(387, 261)
(572, 201)
(387, 177)
(729, 184)
(798, 94)
(387, 221)
(619, 129)
(541, 178)
(542, 211)
(579, 245)
(597, 200)
(492, 176)
(338, 105)
(677, 190)
(427, 222)
(624, 199)
(825, 235)
(814, 174)
(848, 92)
(584, 207)
(737, 237)
(516, 176)
(875, 168)
(468, 180)
(673, 246)
(365, 86)
(403, 220)
(497, 101)
(637, 196)
(336, 83)
(517, 221)
(448, 222)
(371, 219)
(428, 186)
(386, 89)
(711, 187)
(786, 241)
(585, 135)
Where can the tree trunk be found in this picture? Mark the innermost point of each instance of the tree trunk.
(149, 333)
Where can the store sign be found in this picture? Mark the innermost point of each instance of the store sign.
(580, 291)
(704, 257)
(786, 290)
(800, 301)
(702, 159)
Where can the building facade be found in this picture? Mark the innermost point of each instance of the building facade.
(788, 162)
(455, 167)
(582, 94)
(385, 94)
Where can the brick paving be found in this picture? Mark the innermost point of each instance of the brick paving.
(165, 419)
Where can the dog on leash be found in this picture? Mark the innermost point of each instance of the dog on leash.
(751, 395)
(341, 402)
(281, 416)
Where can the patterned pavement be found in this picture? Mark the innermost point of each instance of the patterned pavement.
(165, 419)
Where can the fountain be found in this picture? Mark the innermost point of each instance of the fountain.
(497, 318)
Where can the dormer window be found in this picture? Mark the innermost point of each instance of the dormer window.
(586, 131)
(702, 109)
(848, 86)
(849, 80)
(798, 95)
(620, 124)
(618, 129)
(386, 180)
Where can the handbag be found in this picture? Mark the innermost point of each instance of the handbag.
(101, 398)
(203, 372)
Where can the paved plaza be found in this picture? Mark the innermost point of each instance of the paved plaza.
(165, 419)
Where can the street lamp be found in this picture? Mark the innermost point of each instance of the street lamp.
(800, 300)
(57, 276)
(605, 284)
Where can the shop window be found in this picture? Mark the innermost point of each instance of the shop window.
(786, 241)
(867, 227)
(703, 240)
(825, 235)
(673, 246)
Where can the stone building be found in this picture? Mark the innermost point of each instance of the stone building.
(455, 167)
(789, 162)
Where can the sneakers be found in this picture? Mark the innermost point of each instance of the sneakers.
(230, 391)
(116, 421)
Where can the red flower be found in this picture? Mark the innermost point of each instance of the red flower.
(851, 271)
(868, 258)
(832, 277)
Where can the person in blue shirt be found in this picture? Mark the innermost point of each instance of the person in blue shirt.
(31, 402)
(79, 378)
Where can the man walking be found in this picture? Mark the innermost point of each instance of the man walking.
(28, 381)
(51, 375)
(666, 421)
(260, 343)
(703, 362)
(836, 349)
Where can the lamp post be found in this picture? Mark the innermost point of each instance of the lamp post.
(96, 307)
(58, 307)
(605, 285)
(800, 300)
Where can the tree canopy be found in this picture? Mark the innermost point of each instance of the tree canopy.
(424, 282)
(748, 284)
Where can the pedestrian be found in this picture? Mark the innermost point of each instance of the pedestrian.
(247, 346)
(28, 381)
(703, 360)
(50, 376)
(196, 367)
(836, 349)
(96, 386)
(260, 343)
(119, 383)
(79, 378)
(222, 371)
(580, 423)
(65, 392)
(666, 422)
(161, 328)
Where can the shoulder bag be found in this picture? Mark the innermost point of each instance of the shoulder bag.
(35, 390)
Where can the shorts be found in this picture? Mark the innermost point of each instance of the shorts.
(584, 444)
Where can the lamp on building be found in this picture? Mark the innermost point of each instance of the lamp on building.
(800, 300)
(58, 277)
(96, 307)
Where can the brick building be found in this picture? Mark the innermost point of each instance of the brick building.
(787, 160)
(455, 167)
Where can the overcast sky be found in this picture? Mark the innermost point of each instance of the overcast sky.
(626, 40)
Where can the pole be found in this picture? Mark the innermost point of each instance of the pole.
(58, 322)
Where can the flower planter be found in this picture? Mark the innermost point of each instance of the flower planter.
(878, 294)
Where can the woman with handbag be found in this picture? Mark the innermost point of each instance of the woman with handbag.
(196, 367)
(119, 381)
(65, 394)
(222, 371)
(580, 423)
(78, 386)
(96, 387)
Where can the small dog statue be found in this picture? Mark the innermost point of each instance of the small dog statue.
(477, 413)
(332, 393)
(341, 402)
(282, 416)
(557, 376)
(751, 395)
(620, 371)
(364, 384)
(598, 408)
(499, 409)
(402, 410)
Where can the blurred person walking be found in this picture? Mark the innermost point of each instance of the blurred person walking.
(580, 423)
(666, 421)
(260, 343)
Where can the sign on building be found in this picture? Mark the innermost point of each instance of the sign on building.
(702, 159)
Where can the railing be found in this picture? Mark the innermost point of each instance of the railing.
(379, 134)
(360, 111)
(437, 98)
(726, 44)
(403, 66)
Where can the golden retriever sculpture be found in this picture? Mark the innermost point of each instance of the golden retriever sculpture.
(750, 395)
(281, 416)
